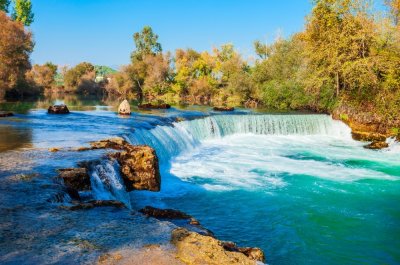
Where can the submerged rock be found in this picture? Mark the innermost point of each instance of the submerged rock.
(124, 108)
(5, 114)
(75, 178)
(377, 145)
(193, 248)
(164, 213)
(154, 106)
(93, 204)
(117, 143)
(58, 109)
(224, 108)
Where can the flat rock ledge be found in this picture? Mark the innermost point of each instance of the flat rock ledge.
(4, 114)
(75, 178)
(139, 163)
(193, 248)
(93, 204)
(154, 106)
(223, 108)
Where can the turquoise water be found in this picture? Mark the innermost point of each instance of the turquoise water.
(297, 186)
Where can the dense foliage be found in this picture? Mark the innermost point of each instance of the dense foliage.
(15, 47)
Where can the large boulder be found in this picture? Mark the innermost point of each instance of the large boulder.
(164, 213)
(124, 108)
(138, 163)
(193, 248)
(75, 178)
(368, 136)
(377, 145)
(139, 167)
(58, 109)
(154, 106)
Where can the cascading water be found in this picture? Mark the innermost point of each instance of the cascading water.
(107, 183)
(169, 141)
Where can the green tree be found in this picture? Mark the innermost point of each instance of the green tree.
(23, 12)
(146, 43)
(4, 5)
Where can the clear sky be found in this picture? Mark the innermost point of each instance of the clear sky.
(67, 32)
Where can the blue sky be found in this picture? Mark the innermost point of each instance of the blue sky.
(67, 32)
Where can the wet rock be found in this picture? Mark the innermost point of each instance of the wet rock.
(193, 248)
(58, 109)
(170, 214)
(139, 167)
(116, 143)
(124, 108)
(368, 136)
(164, 213)
(138, 163)
(154, 106)
(224, 108)
(94, 203)
(76, 178)
(54, 149)
(5, 114)
(377, 145)
(253, 253)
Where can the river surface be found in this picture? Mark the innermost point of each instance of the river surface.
(295, 185)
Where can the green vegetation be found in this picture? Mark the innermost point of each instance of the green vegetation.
(23, 12)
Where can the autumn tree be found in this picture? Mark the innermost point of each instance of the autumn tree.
(43, 75)
(81, 78)
(15, 47)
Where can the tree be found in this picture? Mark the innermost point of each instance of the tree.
(74, 76)
(4, 5)
(394, 6)
(15, 47)
(43, 75)
(23, 12)
(146, 43)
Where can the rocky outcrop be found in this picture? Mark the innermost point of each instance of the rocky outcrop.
(58, 109)
(253, 253)
(193, 248)
(93, 204)
(138, 163)
(377, 145)
(223, 108)
(124, 108)
(75, 178)
(164, 213)
(5, 114)
(368, 136)
(139, 167)
(154, 106)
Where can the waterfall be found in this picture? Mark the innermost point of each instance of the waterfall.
(169, 141)
(106, 182)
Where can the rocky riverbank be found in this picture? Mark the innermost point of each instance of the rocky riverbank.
(368, 127)
(190, 243)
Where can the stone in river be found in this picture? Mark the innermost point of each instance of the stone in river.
(58, 109)
(5, 114)
(124, 108)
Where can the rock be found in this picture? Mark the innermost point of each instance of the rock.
(224, 108)
(377, 145)
(116, 143)
(93, 204)
(124, 108)
(193, 248)
(139, 163)
(368, 136)
(139, 167)
(164, 213)
(154, 106)
(5, 114)
(58, 109)
(253, 253)
(76, 178)
(54, 149)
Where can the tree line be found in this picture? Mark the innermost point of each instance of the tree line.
(347, 55)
